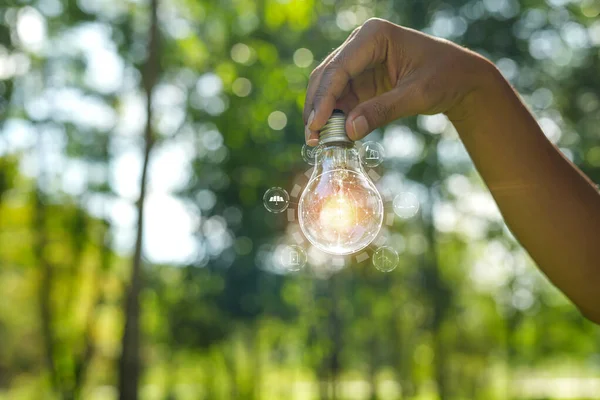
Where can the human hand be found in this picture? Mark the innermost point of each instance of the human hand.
(383, 72)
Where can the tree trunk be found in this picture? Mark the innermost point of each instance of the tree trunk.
(129, 363)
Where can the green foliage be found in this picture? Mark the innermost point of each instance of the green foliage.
(464, 316)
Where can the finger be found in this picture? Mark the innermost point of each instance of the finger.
(313, 80)
(360, 53)
(362, 88)
(315, 77)
(400, 102)
(311, 138)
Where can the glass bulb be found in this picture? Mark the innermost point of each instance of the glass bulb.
(340, 211)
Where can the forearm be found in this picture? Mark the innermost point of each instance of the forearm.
(549, 205)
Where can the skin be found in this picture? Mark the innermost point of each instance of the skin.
(383, 72)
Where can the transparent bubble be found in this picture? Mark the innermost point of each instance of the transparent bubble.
(385, 259)
(293, 258)
(371, 154)
(309, 154)
(276, 199)
(406, 205)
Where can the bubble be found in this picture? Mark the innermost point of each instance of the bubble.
(277, 120)
(371, 154)
(385, 259)
(293, 258)
(406, 205)
(309, 154)
(276, 200)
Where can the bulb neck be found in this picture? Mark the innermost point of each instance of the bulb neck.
(334, 131)
(337, 155)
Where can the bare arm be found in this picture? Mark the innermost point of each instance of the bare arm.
(549, 205)
(384, 72)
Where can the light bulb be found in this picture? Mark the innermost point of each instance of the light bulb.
(340, 211)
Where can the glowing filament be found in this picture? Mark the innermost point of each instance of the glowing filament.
(338, 215)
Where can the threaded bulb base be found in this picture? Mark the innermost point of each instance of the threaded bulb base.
(335, 129)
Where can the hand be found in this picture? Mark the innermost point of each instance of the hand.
(383, 72)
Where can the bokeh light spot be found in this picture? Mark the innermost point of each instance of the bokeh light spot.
(593, 156)
(303, 58)
(241, 87)
(242, 53)
(209, 85)
(277, 120)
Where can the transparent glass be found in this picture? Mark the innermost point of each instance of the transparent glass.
(340, 211)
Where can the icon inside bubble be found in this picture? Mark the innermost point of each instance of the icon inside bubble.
(406, 205)
(276, 200)
(310, 154)
(293, 258)
(385, 259)
(371, 154)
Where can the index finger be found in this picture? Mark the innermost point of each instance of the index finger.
(315, 77)
(360, 53)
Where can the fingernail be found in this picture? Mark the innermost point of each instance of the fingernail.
(311, 116)
(361, 127)
(311, 138)
(312, 142)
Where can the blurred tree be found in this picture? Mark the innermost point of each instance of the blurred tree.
(83, 86)
(129, 363)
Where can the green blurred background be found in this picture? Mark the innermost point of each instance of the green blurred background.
(202, 101)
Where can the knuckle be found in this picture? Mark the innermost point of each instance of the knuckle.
(336, 63)
(376, 30)
(374, 24)
(330, 71)
(336, 68)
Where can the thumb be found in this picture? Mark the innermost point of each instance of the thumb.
(380, 110)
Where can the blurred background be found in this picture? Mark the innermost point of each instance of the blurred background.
(185, 112)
